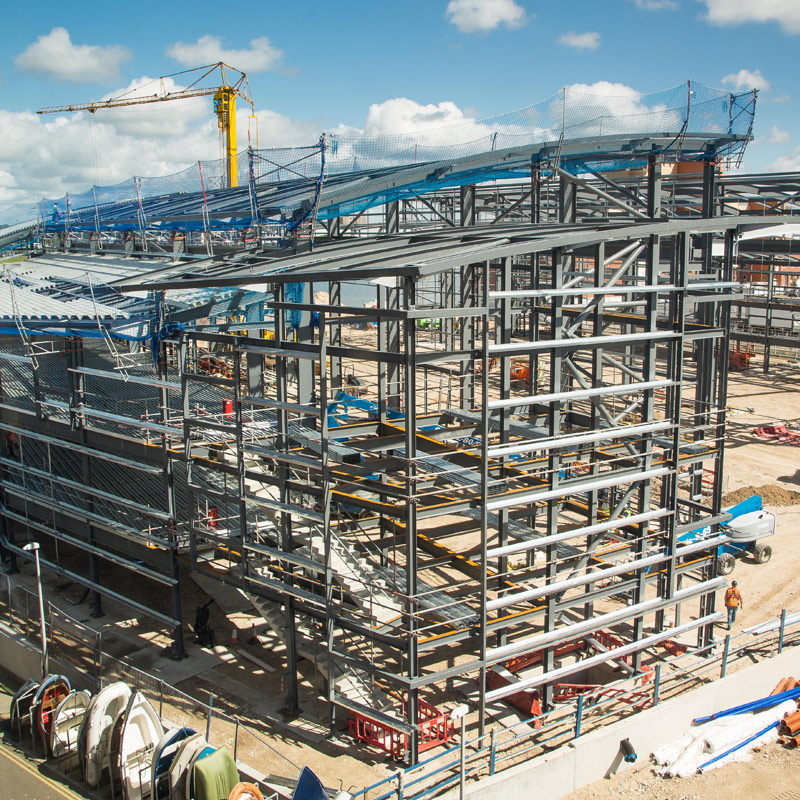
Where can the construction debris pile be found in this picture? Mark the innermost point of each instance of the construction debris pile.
(779, 432)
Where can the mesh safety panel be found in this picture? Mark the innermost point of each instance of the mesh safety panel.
(359, 170)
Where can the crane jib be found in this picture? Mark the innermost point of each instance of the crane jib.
(224, 96)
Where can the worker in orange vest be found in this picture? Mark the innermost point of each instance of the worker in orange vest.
(733, 602)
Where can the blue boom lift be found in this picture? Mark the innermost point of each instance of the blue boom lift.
(748, 524)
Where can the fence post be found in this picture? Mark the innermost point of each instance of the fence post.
(99, 640)
(401, 779)
(161, 699)
(235, 738)
(493, 752)
(463, 767)
(782, 629)
(98, 661)
(578, 716)
(657, 684)
(47, 609)
(725, 655)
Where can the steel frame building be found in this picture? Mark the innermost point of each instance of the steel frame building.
(503, 459)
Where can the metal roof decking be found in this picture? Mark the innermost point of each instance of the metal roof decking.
(33, 305)
(432, 253)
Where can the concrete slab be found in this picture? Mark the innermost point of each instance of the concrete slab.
(153, 660)
(270, 707)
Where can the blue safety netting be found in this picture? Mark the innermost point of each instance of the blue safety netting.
(344, 174)
(293, 293)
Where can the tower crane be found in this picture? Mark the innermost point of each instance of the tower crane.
(224, 94)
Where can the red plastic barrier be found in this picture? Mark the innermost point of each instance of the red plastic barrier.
(435, 728)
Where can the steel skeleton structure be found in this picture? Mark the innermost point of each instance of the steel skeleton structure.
(497, 459)
(766, 316)
(396, 532)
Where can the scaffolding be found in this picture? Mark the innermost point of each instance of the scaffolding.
(455, 457)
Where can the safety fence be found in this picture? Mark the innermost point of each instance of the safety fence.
(76, 651)
(335, 165)
(503, 747)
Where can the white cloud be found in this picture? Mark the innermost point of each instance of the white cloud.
(787, 163)
(581, 41)
(54, 56)
(262, 54)
(415, 132)
(776, 136)
(276, 130)
(46, 156)
(735, 12)
(613, 101)
(160, 120)
(656, 5)
(481, 16)
(745, 79)
(8, 186)
(50, 155)
(402, 115)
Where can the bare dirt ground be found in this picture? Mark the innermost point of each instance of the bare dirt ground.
(770, 775)
(772, 469)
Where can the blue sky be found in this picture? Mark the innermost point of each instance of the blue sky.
(321, 65)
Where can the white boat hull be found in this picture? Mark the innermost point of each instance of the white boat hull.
(141, 732)
(103, 711)
(180, 764)
(67, 723)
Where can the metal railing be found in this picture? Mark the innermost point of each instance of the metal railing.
(75, 650)
(504, 747)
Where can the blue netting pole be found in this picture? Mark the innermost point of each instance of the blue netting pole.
(317, 191)
(96, 213)
(142, 218)
(293, 293)
(252, 188)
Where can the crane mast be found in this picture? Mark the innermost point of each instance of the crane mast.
(224, 96)
(225, 109)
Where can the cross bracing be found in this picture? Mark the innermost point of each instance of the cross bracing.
(497, 458)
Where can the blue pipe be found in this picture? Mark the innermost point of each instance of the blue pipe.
(739, 746)
(754, 705)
